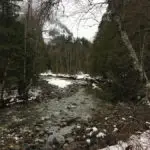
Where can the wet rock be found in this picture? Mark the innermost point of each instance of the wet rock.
(63, 123)
(14, 147)
(37, 129)
(66, 130)
(44, 118)
(42, 133)
(55, 139)
(65, 146)
(70, 140)
(46, 130)
(37, 140)
(83, 102)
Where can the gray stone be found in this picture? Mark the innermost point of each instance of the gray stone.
(70, 140)
(42, 133)
(55, 139)
(37, 129)
(65, 146)
(39, 140)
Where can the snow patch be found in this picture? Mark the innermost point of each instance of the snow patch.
(50, 73)
(59, 82)
(78, 127)
(81, 75)
(34, 93)
(88, 129)
(94, 86)
(124, 119)
(88, 141)
(115, 129)
(120, 146)
(94, 129)
(106, 118)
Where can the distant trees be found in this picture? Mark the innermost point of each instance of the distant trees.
(69, 55)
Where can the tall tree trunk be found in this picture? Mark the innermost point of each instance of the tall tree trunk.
(26, 25)
(136, 62)
(2, 103)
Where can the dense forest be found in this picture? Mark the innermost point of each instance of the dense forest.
(121, 49)
(68, 55)
(27, 54)
(124, 61)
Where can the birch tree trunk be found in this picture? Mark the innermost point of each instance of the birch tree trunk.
(125, 39)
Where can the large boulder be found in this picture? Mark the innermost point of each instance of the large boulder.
(55, 140)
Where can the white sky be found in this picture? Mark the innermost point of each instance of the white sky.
(79, 18)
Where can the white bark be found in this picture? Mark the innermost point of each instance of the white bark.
(136, 62)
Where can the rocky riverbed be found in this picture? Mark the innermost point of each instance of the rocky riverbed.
(69, 118)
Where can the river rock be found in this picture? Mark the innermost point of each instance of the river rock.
(37, 140)
(70, 140)
(65, 146)
(55, 139)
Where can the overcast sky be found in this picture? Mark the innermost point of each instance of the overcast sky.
(81, 21)
(78, 17)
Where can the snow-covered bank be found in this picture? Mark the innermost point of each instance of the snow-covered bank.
(135, 142)
(13, 97)
(78, 76)
(50, 73)
(63, 80)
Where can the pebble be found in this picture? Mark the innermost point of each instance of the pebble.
(106, 118)
(78, 127)
(123, 118)
(37, 129)
(147, 122)
(88, 129)
(114, 126)
(115, 130)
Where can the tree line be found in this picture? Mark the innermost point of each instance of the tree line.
(120, 51)
(69, 55)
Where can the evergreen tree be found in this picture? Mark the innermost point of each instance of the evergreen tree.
(13, 59)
